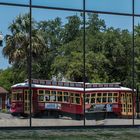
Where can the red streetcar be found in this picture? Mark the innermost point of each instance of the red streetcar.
(67, 98)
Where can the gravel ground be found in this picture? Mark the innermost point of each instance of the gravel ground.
(9, 120)
(66, 134)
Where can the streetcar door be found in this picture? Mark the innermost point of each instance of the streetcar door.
(123, 104)
(129, 103)
(26, 102)
(126, 103)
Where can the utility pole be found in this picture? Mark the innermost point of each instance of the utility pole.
(1, 39)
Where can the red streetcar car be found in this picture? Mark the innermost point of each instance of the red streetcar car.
(53, 98)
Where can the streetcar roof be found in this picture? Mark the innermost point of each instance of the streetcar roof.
(25, 85)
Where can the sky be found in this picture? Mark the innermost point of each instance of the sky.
(8, 13)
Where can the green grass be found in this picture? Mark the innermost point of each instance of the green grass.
(82, 134)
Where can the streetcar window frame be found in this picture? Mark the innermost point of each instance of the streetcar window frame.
(75, 98)
(66, 97)
(17, 95)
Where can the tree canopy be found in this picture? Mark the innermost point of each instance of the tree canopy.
(57, 50)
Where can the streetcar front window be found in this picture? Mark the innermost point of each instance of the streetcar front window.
(14, 96)
(25, 97)
(17, 95)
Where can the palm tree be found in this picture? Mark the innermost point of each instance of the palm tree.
(18, 42)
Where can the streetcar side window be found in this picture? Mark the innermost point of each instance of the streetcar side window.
(53, 96)
(47, 95)
(66, 96)
(115, 94)
(87, 99)
(99, 98)
(75, 98)
(41, 95)
(41, 91)
(59, 96)
(110, 98)
(115, 97)
(93, 98)
(110, 94)
(103, 98)
(72, 97)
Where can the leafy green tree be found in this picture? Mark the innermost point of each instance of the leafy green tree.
(69, 61)
(117, 49)
(51, 31)
(94, 24)
(57, 37)
(57, 50)
(137, 54)
(72, 29)
(6, 78)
